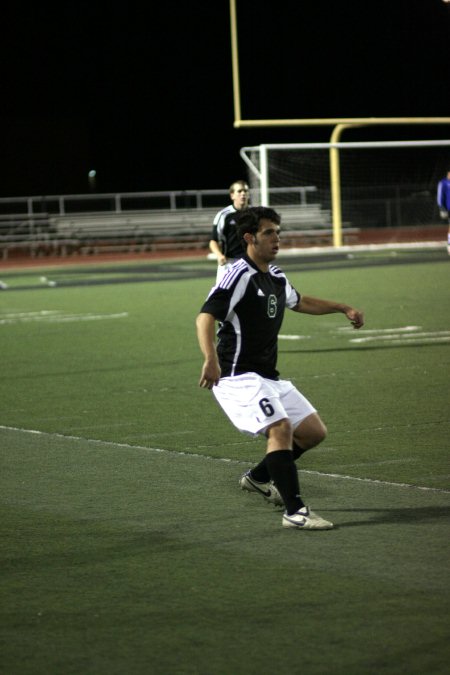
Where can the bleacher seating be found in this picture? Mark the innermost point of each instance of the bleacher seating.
(138, 231)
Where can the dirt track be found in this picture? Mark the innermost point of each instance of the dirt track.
(434, 233)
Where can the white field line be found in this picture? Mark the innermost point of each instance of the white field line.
(366, 331)
(42, 312)
(425, 341)
(411, 337)
(374, 481)
(112, 444)
(54, 317)
(313, 250)
(396, 336)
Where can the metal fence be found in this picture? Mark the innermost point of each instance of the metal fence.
(137, 201)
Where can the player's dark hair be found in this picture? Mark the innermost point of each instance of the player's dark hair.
(248, 219)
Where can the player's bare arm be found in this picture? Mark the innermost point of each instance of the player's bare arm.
(310, 305)
(215, 248)
(210, 374)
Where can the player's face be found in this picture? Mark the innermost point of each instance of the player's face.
(266, 242)
(240, 196)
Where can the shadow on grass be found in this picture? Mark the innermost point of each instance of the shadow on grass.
(395, 515)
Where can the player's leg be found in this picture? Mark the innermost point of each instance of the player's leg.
(251, 404)
(259, 406)
(309, 429)
(283, 471)
(280, 464)
(307, 434)
(310, 432)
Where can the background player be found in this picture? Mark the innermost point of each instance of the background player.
(249, 303)
(224, 242)
(443, 200)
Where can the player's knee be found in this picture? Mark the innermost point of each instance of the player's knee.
(281, 432)
(310, 433)
(320, 433)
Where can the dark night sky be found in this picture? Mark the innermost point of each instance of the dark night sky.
(143, 93)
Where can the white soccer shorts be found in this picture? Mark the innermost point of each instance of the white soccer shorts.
(253, 402)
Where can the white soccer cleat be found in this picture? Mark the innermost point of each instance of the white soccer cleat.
(266, 490)
(304, 519)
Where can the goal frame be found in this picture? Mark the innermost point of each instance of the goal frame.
(262, 173)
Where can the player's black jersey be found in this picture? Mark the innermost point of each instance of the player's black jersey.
(250, 306)
(224, 232)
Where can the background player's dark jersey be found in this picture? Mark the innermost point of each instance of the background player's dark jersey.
(250, 305)
(224, 232)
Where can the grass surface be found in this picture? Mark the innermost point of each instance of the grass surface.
(126, 545)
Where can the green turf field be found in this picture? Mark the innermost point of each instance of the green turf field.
(127, 546)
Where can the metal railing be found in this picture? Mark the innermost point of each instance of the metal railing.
(133, 201)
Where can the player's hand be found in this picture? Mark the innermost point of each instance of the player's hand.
(210, 375)
(444, 214)
(355, 317)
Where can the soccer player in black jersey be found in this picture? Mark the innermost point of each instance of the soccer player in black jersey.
(224, 241)
(249, 304)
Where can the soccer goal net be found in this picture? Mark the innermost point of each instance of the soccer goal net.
(380, 183)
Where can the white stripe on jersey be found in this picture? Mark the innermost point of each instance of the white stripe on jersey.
(242, 269)
(219, 220)
(292, 296)
(224, 212)
(230, 277)
(273, 269)
(238, 333)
